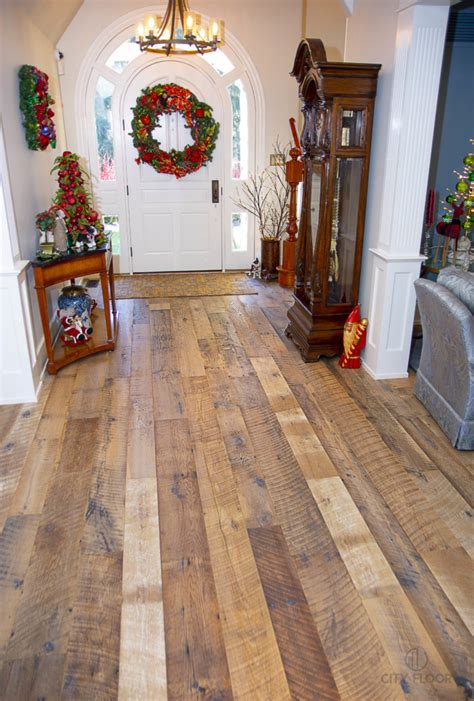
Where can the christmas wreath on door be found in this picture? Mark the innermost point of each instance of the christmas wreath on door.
(164, 99)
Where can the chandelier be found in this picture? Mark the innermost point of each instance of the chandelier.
(180, 31)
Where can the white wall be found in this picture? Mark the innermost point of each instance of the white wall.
(381, 17)
(31, 184)
(326, 20)
(269, 30)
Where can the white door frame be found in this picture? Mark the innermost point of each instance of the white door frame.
(111, 198)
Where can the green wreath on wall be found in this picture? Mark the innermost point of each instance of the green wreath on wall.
(164, 99)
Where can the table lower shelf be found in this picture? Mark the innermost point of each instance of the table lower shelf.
(98, 342)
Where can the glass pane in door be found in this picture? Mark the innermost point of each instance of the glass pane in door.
(315, 202)
(352, 127)
(345, 209)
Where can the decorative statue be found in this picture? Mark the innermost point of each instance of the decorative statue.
(74, 330)
(255, 270)
(355, 331)
(60, 232)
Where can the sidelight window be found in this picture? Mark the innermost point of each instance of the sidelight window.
(104, 129)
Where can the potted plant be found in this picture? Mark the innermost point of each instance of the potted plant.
(45, 222)
(265, 196)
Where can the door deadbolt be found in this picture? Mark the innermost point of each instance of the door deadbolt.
(215, 192)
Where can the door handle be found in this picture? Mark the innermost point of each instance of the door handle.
(215, 192)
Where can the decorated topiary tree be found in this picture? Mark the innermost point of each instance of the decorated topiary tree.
(451, 245)
(75, 200)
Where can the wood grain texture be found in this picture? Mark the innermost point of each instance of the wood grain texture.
(142, 638)
(397, 486)
(16, 544)
(446, 628)
(196, 664)
(255, 665)
(389, 610)
(332, 597)
(92, 659)
(15, 447)
(305, 663)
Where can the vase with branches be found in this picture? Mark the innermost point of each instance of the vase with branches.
(265, 196)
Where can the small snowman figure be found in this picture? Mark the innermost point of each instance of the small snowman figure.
(90, 238)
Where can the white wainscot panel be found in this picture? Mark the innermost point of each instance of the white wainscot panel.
(174, 196)
(158, 233)
(401, 299)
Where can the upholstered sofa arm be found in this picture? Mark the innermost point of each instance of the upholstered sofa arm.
(447, 358)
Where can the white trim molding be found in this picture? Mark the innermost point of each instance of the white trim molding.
(20, 365)
(112, 197)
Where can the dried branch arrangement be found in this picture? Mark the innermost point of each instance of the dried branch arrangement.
(266, 195)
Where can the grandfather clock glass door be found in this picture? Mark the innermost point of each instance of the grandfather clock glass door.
(345, 208)
(338, 102)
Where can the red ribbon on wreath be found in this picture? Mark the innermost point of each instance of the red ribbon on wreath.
(164, 99)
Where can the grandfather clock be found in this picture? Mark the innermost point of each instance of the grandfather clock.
(338, 105)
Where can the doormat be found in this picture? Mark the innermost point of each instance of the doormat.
(183, 285)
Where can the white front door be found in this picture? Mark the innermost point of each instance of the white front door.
(174, 225)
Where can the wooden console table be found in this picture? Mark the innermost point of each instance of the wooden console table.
(105, 321)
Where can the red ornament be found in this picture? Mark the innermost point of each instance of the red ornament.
(145, 119)
(147, 157)
(199, 112)
(71, 199)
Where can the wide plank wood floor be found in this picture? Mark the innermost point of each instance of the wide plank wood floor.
(200, 515)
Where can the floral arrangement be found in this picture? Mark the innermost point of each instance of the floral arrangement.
(45, 221)
(35, 104)
(164, 99)
(74, 199)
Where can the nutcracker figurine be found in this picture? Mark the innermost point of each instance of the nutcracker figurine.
(355, 331)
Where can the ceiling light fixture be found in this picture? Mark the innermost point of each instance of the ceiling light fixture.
(180, 31)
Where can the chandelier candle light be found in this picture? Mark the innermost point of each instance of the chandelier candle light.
(180, 31)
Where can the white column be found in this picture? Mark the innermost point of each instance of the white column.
(19, 366)
(393, 263)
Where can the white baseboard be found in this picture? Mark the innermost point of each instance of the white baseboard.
(384, 376)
